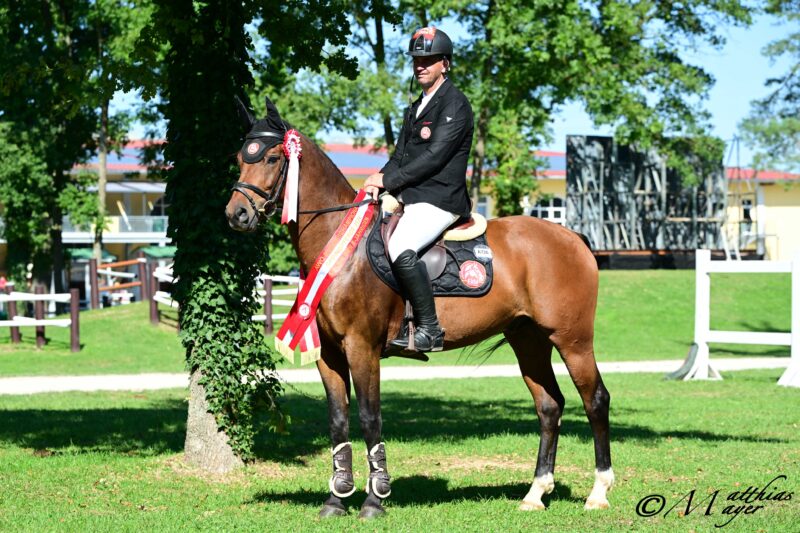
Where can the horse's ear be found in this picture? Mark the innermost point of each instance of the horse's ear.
(245, 115)
(272, 111)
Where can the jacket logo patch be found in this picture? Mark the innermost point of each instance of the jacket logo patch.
(425, 132)
(448, 118)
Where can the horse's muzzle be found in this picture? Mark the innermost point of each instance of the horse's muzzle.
(241, 219)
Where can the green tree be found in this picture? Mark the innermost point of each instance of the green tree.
(45, 55)
(115, 27)
(206, 64)
(622, 60)
(323, 100)
(25, 227)
(773, 126)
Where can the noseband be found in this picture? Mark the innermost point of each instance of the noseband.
(271, 199)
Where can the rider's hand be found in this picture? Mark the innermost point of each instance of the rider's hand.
(373, 183)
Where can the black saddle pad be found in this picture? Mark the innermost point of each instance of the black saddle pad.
(468, 271)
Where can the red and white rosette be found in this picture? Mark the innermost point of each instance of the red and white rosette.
(293, 151)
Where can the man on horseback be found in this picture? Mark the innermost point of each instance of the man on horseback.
(427, 174)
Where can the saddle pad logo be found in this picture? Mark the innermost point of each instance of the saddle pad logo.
(425, 132)
(472, 274)
(252, 148)
(482, 253)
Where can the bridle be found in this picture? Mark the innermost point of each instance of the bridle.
(271, 199)
(270, 205)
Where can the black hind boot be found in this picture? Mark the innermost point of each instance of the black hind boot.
(412, 275)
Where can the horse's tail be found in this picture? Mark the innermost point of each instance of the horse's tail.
(484, 353)
(585, 240)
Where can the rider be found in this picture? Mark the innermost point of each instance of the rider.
(427, 174)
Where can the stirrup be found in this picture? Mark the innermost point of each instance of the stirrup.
(428, 339)
(398, 352)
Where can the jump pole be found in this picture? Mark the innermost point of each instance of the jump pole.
(791, 377)
(154, 284)
(16, 337)
(38, 313)
(268, 327)
(74, 315)
(144, 290)
(95, 295)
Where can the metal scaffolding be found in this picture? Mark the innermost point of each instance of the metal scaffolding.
(622, 199)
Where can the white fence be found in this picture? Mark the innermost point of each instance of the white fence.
(267, 293)
(15, 321)
(271, 301)
(701, 367)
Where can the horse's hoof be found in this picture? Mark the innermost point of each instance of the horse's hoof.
(368, 512)
(531, 506)
(591, 505)
(331, 510)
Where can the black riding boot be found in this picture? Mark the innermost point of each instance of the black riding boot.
(412, 275)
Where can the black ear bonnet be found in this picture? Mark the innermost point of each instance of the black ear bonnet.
(263, 135)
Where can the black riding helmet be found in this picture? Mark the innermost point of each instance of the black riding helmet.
(430, 41)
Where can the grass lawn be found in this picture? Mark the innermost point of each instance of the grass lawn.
(644, 314)
(461, 454)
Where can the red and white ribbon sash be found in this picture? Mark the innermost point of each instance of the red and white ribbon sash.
(328, 264)
(293, 151)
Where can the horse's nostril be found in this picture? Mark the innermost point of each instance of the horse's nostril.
(241, 214)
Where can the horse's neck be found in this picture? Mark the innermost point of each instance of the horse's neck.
(321, 185)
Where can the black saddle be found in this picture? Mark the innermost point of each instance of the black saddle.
(456, 268)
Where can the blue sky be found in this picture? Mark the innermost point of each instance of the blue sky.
(740, 71)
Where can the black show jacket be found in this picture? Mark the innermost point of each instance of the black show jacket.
(434, 169)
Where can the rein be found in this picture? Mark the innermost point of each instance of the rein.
(270, 205)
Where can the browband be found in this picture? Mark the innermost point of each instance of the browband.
(257, 134)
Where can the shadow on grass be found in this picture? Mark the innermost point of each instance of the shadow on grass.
(160, 428)
(423, 490)
(147, 431)
(762, 325)
(422, 418)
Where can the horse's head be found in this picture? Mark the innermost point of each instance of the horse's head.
(262, 167)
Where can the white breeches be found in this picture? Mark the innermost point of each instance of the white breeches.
(420, 225)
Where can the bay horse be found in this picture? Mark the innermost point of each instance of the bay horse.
(544, 294)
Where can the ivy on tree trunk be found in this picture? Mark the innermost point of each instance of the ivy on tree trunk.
(207, 64)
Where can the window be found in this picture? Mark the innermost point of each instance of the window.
(551, 209)
(747, 206)
(160, 208)
(483, 206)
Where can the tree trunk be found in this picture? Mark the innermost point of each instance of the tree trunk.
(479, 159)
(380, 60)
(206, 446)
(102, 178)
(57, 253)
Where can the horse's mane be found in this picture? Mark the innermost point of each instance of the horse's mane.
(328, 165)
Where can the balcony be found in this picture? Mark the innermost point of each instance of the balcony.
(120, 229)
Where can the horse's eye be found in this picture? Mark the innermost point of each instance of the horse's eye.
(272, 159)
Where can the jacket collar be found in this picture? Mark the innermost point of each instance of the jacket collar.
(443, 88)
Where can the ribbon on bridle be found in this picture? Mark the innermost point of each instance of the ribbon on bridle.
(292, 152)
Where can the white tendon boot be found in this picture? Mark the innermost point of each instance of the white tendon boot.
(603, 481)
(533, 500)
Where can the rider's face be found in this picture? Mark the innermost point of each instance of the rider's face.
(429, 70)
